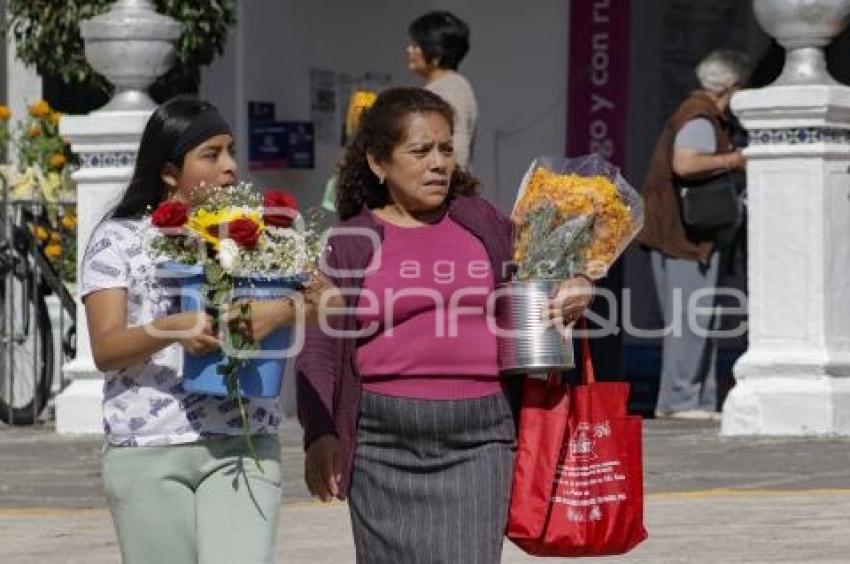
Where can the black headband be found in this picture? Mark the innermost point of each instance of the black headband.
(208, 124)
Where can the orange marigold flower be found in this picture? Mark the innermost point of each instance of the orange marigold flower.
(41, 233)
(34, 131)
(57, 160)
(55, 237)
(5, 113)
(69, 221)
(40, 109)
(575, 195)
(53, 250)
(54, 118)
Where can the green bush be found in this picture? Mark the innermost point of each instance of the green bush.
(47, 33)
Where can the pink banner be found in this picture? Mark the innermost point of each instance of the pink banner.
(597, 110)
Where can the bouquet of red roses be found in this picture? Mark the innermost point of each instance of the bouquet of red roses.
(237, 246)
(240, 230)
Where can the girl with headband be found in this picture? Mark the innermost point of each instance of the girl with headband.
(180, 482)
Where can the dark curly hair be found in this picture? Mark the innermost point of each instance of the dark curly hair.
(380, 130)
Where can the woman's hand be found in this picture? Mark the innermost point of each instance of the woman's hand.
(266, 316)
(196, 327)
(736, 160)
(319, 295)
(322, 468)
(116, 346)
(573, 297)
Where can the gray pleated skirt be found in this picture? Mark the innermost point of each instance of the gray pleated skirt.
(431, 481)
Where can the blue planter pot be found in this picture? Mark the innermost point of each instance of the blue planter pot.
(259, 377)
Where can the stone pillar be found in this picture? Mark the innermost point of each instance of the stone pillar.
(795, 377)
(106, 143)
(131, 45)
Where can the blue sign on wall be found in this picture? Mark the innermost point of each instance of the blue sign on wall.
(281, 144)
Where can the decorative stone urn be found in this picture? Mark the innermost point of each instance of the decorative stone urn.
(131, 45)
(804, 28)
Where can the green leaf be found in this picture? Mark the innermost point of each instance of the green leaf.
(213, 273)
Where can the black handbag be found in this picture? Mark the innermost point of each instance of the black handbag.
(712, 204)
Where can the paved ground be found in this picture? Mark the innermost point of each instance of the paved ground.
(710, 500)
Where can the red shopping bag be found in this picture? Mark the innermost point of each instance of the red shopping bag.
(578, 478)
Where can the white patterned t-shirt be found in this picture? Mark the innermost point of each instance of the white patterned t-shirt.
(145, 404)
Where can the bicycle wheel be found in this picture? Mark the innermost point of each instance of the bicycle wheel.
(26, 352)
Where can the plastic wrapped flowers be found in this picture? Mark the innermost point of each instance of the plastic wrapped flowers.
(573, 217)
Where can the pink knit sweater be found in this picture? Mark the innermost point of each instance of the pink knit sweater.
(426, 307)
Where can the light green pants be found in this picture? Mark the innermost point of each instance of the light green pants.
(203, 502)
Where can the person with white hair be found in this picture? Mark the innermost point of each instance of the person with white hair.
(694, 152)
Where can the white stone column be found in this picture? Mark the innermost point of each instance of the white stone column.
(795, 377)
(130, 45)
(107, 143)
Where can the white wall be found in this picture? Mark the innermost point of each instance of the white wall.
(517, 65)
(21, 85)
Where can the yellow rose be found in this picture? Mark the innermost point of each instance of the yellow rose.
(57, 160)
(41, 233)
(40, 109)
(207, 224)
(69, 222)
(5, 113)
(53, 250)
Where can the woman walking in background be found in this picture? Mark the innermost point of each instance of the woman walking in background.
(439, 42)
(695, 146)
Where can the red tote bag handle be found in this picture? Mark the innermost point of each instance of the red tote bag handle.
(588, 372)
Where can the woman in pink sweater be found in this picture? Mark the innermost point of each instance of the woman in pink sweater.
(401, 400)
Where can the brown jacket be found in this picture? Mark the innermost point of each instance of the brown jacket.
(663, 228)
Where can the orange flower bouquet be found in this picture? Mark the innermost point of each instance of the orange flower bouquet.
(573, 216)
